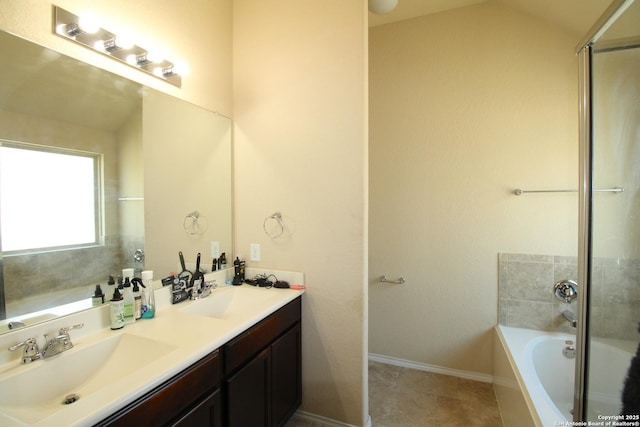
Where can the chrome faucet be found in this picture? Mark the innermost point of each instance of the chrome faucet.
(58, 344)
(571, 318)
(16, 324)
(61, 342)
(31, 350)
(202, 289)
(207, 288)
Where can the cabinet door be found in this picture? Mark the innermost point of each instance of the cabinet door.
(248, 394)
(171, 399)
(207, 413)
(286, 378)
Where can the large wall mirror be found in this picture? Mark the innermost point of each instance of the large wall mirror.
(97, 174)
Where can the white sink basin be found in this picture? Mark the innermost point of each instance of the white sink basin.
(232, 302)
(36, 391)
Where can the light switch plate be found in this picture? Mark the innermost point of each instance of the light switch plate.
(254, 253)
(215, 249)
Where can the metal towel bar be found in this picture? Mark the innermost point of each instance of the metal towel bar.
(383, 279)
(519, 192)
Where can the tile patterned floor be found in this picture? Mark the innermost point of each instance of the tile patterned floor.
(403, 397)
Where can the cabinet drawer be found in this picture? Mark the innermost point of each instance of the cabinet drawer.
(172, 398)
(239, 350)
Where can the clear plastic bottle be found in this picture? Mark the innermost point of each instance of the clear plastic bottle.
(148, 297)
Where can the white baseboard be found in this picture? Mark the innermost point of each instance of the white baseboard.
(324, 421)
(485, 378)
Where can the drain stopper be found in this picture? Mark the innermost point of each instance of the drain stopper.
(70, 398)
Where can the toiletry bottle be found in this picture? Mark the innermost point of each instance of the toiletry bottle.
(129, 303)
(238, 277)
(111, 285)
(223, 261)
(116, 306)
(98, 297)
(149, 300)
(137, 298)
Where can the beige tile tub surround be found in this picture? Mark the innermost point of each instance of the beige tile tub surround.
(526, 298)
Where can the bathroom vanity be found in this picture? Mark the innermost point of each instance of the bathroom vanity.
(253, 380)
(231, 359)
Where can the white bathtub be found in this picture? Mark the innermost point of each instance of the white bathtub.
(546, 377)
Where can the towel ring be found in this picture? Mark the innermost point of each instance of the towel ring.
(276, 216)
(191, 223)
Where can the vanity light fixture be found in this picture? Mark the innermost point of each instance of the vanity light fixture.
(72, 27)
(382, 6)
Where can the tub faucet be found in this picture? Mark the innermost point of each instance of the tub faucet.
(571, 318)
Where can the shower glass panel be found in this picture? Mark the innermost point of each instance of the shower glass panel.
(613, 303)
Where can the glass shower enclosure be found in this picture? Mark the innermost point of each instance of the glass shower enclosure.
(609, 252)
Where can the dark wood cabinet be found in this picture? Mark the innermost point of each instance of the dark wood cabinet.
(254, 380)
(286, 376)
(208, 413)
(247, 393)
(263, 382)
(174, 399)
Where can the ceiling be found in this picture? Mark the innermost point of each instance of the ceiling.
(576, 16)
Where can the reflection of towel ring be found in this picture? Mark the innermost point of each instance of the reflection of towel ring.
(191, 223)
(277, 216)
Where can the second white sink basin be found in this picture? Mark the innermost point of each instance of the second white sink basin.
(37, 390)
(232, 301)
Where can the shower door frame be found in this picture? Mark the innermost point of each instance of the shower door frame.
(585, 51)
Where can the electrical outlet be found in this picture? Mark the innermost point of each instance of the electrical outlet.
(255, 252)
(215, 249)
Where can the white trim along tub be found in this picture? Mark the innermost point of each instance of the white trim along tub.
(534, 379)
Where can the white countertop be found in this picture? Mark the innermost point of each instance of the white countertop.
(188, 338)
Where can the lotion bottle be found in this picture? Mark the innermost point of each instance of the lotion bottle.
(116, 310)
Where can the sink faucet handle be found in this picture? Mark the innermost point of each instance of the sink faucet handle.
(65, 330)
(63, 336)
(31, 350)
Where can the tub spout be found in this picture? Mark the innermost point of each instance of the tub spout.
(571, 318)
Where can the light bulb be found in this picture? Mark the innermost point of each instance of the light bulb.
(124, 42)
(154, 56)
(181, 68)
(88, 24)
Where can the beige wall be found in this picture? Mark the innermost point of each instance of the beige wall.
(465, 106)
(300, 114)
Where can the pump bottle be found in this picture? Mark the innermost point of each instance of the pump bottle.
(129, 302)
(116, 310)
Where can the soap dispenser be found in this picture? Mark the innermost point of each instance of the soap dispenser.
(137, 298)
(129, 303)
